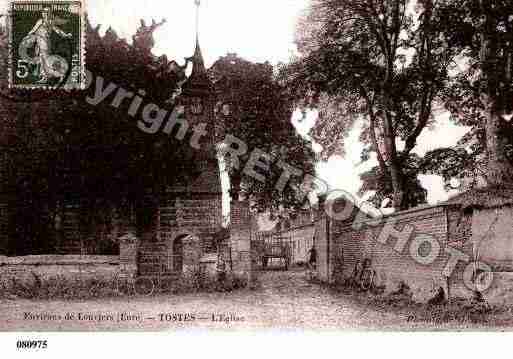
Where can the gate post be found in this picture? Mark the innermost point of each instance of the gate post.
(240, 240)
(128, 249)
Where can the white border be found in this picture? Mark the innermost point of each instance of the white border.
(261, 345)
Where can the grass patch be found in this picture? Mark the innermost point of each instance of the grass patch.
(454, 310)
(60, 287)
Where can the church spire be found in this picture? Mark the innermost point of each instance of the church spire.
(198, 64)
(197, 59)
(198, 81)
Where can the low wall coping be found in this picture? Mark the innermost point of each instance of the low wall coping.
(401, 213)
(58, 260)
(303, 226)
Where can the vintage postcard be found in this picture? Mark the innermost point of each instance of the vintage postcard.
(47, 44)
(255, 165)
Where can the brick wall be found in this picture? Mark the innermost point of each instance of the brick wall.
(388, 245)
(194, 218)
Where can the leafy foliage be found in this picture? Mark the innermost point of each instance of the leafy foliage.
(375, 61)
(260, 116)
(481, 91)
(65, 150)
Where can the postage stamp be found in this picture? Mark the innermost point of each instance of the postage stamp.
(46, 44)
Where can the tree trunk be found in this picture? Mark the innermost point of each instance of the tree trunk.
(394, 164)
(398, 186)
(499, 169)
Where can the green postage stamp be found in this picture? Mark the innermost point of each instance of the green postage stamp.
(46, 44)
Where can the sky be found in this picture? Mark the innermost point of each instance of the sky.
(259, 31)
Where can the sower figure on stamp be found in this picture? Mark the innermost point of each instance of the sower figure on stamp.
(41, 36)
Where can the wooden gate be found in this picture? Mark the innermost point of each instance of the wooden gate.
(270, 247)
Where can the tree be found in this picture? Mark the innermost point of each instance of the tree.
(256, 108)
(65, 150)
(382, 62)
(481, 95)
(374, 181)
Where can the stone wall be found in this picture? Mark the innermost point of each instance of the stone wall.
(241, 230)
(322, 246)
(128, 252)
(26, 268)
(194, 219)
(196, 214)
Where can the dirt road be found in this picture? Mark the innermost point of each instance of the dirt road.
(284, 301)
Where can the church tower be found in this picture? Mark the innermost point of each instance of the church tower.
(190, 214)
(198, 100)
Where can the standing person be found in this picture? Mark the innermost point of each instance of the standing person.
(221, 271)
(312, 260)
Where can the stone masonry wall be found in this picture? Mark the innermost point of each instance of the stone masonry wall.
(25, 269)
(76, 267)
(322, 247)
(198, 214)
(240, 238)
(194, 220)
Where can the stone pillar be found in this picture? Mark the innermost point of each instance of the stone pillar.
(192, 253)
(240, 240)
(321, 246)
(128, 249)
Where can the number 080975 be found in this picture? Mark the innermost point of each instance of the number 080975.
(31, 344)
